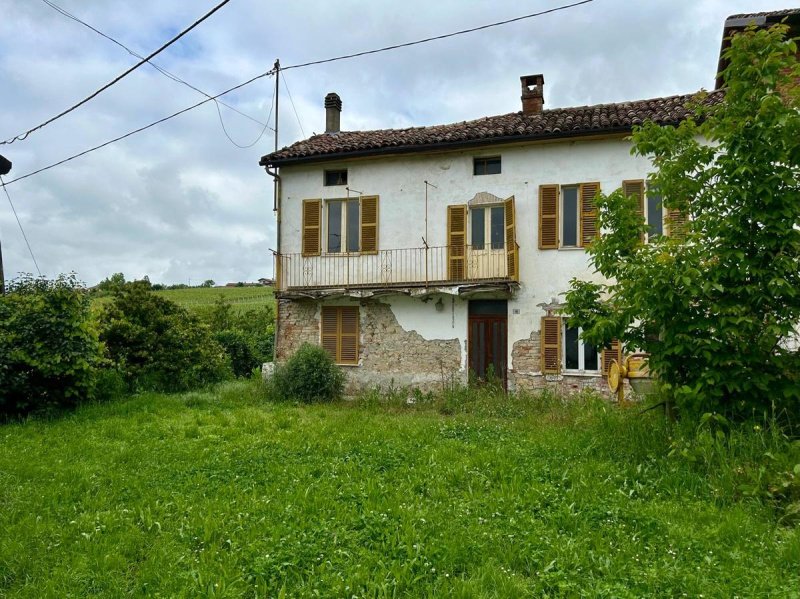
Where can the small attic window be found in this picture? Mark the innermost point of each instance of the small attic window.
(486, 165)
(338, 177)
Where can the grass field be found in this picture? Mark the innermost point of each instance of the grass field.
(222, 494)
(199, 299)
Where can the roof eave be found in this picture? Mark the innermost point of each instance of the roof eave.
(450, 145)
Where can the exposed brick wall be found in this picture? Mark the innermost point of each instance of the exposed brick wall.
(298, 323)
(526, 373)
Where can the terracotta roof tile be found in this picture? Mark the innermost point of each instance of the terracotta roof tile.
(774, 13)
(557, 123)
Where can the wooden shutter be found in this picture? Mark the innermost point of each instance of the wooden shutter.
(457, 242)
(548, 217)
(588, 216)
(348, 335)
(676, 223)
(369, 224)
(340, 333)
(550, 335)
(512, 255)
(636, 189)
(330, 331)
(312, 227)
(614, 352)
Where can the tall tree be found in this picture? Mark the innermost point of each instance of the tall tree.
(716, 303)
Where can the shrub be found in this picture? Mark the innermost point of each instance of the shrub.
(48, 348)
(308, 376)
(239, 352)
(257, 327)
(156, 344)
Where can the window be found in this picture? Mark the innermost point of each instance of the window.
(339, 333)
(486, 166)
(567, 215)
(487, 224)
(337, 177)
(343, 225)
(655, 213)
(577, 354)
(563, 351)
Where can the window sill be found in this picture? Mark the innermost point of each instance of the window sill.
(584, 373)
(570, 248)
(348, 365)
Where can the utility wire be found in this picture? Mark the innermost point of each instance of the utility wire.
(292, 101)
(23, 136)
(273, 71)
(139, 130)
(437, 37)
(25, 237)
(260, 135)
(161, 70)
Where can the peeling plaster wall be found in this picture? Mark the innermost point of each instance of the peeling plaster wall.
(422, 317)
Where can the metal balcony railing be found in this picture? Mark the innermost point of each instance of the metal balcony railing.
(395, 268)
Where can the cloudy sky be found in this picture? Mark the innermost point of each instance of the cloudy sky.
(181, 203)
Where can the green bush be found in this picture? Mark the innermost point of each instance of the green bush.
(256, 326)
(241, 355)
(156, 344)
(48, 348)
(308, 376)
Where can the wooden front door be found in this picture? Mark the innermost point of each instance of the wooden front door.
(488, 338)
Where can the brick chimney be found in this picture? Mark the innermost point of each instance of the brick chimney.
(532, 94)
(333, 110)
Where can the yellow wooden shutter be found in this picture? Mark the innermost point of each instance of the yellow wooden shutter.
(369, 224)
(312, 229)
(636, 189)
(550, 335)
(512, 255)
(614, 352)
(340, 333)
(457, 242)
(348, 335)
(588, 227)
(548, 217)
(330, 331)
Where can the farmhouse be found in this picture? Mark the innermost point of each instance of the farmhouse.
(417, 256)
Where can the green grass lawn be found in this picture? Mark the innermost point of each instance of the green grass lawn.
(223, 494)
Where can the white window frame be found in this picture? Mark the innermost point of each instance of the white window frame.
(343, 232)
(487, 226)
(581, 352)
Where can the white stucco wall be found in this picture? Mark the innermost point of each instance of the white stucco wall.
(399, 181)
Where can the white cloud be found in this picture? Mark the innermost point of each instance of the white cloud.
(179, 201)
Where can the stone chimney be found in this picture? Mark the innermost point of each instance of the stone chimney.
(333, 110)
(532, 94)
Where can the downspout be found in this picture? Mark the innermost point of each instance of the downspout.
(276, 208)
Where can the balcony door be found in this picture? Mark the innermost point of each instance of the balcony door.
(486, 254)
(487, 340)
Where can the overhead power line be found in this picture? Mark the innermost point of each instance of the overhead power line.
(160, 69)
(25, 237)
(22, 136)
(297, 116)
(297, 66)
(437, 37)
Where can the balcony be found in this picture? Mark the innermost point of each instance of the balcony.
(408, 267)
